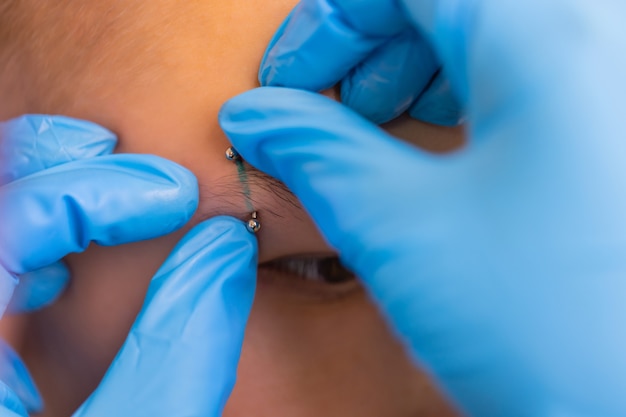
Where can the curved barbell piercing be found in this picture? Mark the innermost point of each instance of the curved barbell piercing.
(253, 225)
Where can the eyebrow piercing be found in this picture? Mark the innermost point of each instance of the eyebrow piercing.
(253, 224)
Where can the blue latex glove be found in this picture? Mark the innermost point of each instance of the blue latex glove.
(384, 67)
(503, 265)
(59, 191)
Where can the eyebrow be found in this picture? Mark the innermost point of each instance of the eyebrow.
(228, 185)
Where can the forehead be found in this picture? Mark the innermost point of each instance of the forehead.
(61, 45)
(65, 48)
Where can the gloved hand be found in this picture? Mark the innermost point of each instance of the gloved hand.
(502, 265)
(180, 358)
(59, 190)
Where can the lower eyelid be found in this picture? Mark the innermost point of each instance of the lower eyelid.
(298, 289)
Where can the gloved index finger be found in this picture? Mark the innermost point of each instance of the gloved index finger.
(109, 200)
(322, 40)
(32, 143)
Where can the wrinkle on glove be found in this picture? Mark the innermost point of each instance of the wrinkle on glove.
(180, 358)
(33, 143)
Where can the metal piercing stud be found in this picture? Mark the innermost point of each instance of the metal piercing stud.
(232, 154)
(253, 225)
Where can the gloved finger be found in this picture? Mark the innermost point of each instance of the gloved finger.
(40, 288)
(36, 142)
(438, 104)
(387, 82)
(109, 200)
(180, 358)
(322, 40)
(18, 392)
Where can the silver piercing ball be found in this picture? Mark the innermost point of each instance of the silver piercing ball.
(253, 224)
(232, 154)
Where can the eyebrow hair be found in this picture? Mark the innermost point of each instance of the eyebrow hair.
(228, 185)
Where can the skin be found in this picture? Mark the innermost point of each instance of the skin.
(156, 74)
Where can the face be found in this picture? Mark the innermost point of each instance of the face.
(156, 74)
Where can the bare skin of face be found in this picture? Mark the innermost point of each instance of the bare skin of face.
(156, 73)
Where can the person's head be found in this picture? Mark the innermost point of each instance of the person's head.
(156, 73)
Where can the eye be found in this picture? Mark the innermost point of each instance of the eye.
(317, 279)
(328, 270)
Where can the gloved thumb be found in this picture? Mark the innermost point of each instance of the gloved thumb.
(181, 355)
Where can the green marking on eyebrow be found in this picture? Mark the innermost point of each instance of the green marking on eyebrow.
(243, 179)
